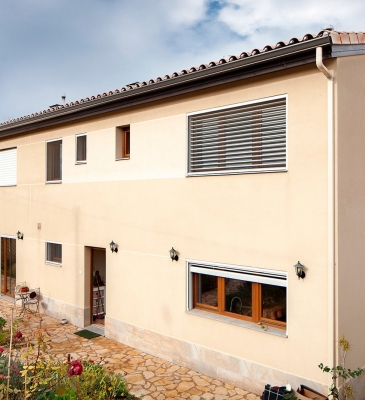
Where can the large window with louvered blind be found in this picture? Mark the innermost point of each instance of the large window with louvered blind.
(241, 138)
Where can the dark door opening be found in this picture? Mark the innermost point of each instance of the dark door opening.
(8, 266)
(98, 286)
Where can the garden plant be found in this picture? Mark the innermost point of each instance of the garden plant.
(28, 371)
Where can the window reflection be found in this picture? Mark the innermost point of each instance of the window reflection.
(238, 296)
(274, 302)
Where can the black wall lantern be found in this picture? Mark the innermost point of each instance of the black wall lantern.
(173, 254)
(19, 235)
(299, 270)
(113, 247)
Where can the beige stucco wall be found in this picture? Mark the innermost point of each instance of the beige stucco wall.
(147, 205)
(351, 206)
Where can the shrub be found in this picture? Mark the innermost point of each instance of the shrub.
(34, 374)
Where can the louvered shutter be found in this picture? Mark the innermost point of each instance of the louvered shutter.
(238, 139)
(8, 167)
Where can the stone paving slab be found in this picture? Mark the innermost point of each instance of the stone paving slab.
(146, 375)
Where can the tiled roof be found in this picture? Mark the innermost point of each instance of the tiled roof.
(336, 38)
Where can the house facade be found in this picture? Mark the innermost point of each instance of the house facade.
(246, 167)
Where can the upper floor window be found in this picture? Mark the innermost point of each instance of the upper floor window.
(81, 141)
(54, 160)
(54, 253)
(248, 137)
(122, 143)
(8, 167)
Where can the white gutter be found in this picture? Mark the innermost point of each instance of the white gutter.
(331, 211)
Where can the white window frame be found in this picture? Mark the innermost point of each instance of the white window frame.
(238, 171)
(49, 141)
(8, 160)
(240, 272)
(80, 161)
(52, 262)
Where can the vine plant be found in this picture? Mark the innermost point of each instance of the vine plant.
(340, 371)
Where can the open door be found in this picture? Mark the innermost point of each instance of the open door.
(98, 285)
(8, 266)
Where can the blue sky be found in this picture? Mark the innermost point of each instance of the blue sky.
(85, 47)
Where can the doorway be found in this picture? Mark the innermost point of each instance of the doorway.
(8, 266)
(98, 286)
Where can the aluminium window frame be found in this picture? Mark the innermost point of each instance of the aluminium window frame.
(241, 171)
(58, 264)
(78, 162)
(240, 272)
(56, 181)
(15, 156)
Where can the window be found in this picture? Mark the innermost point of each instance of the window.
(239, 292)
(122, 143)
(249, 137)
(54, 253)
(8, 167)
(54, 160)
(81, 148)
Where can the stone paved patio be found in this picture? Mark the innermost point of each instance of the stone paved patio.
(148, 375)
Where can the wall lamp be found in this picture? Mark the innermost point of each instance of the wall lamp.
(113, 247)
(173, 254)
(20, 235)
(299, 270)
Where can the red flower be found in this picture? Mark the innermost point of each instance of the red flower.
(1, 349)
(18, 335)
(75, 368)
(15, 369)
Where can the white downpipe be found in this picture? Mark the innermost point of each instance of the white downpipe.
(331, 211)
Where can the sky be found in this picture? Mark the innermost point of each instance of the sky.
(81, 48)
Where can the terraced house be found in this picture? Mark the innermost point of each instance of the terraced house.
(246, 167)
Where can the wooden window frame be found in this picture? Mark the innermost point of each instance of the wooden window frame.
(122, 143)
(220, 309)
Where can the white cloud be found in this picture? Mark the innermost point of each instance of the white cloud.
(248, 18)
(85, 47)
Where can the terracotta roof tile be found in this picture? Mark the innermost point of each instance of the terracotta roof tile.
(336, 38)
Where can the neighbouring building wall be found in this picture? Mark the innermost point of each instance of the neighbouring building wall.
(351, 208)
(147, 204)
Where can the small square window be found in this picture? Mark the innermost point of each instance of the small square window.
(122, 143)
(54, 253)
(81, 141)
(54, 160)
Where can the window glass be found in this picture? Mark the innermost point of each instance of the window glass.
(274, 302)
(122, 143)
(238, 297)
(259, 297)
(54, 253)
(207, 290)
(127, 143)
(81, 148)
(54, 160)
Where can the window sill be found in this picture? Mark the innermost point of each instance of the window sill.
(238, 172)
(239, 322)
(80, 162)
(52, 182)
(122, 158)
(53, 263)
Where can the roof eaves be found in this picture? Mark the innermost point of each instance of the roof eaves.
(222, 67)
